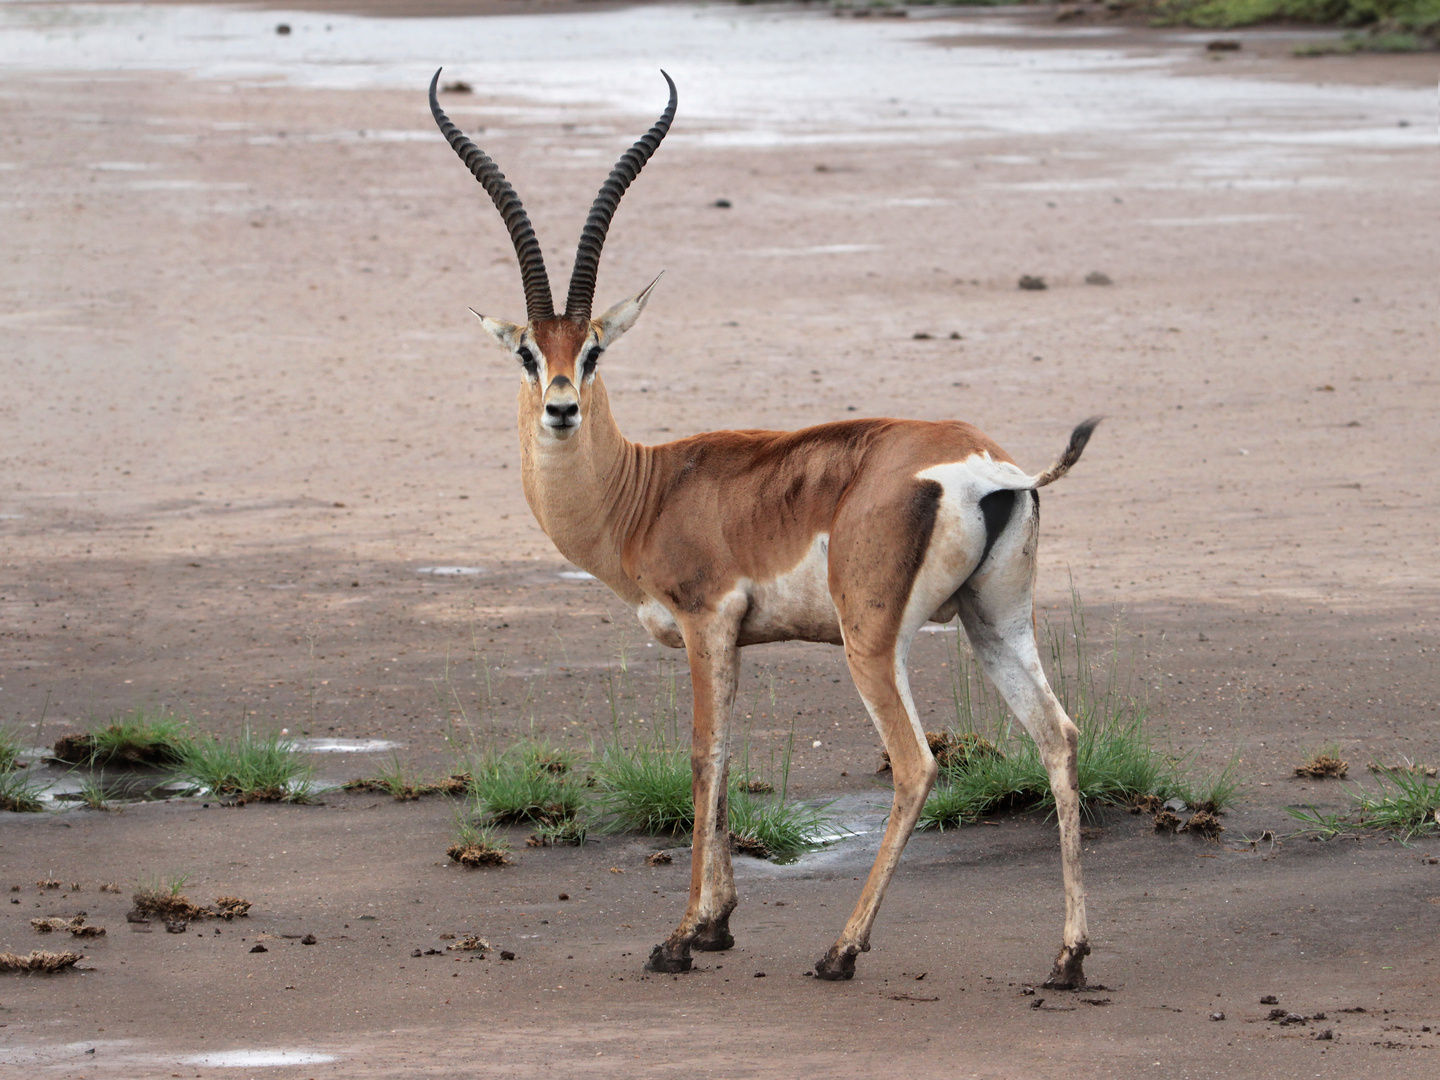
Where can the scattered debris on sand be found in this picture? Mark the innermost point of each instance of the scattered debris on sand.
(470, 943)
(39, 961)
(1032, 282)
(657, 858)
(479, 854)
(1413, 768)
(77, 927)
(1097, 277)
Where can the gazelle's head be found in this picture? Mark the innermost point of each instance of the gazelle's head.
(559, 354)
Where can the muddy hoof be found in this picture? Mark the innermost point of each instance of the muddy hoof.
(835, 966)
(1069, 973)
(713, 939)
(667, 963)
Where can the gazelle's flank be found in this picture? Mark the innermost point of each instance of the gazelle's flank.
(852, 533)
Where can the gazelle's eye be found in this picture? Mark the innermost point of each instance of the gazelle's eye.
(527, 358)
(591, 359)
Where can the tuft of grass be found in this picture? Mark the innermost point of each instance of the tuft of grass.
(10, 749)
(165, 897)
(572, 832)
(645, 789)
(774, 827)
(140, 738)
(527, 783)
(649, 789)
(1408, 803)
(92, 794)
(477, 845)
(1118, 761)
(19, 794)
(1324, 763)
(251, 767)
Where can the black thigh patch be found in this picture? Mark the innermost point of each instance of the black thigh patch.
(998, 507)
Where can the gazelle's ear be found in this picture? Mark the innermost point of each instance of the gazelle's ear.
(622, 316)
(506, 333)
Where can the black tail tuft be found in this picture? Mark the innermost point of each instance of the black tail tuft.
(1078, 438)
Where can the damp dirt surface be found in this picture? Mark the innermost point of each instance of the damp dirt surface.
(246, 416)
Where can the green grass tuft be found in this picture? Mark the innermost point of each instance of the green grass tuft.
(645, 789)
(262, 768)
(477, 844)
(1118, 761)
(140, 738)
(531, 782)
(19, 794)
(10, 749)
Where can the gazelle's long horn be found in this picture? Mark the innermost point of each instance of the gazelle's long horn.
(592, 239)
(538, 304)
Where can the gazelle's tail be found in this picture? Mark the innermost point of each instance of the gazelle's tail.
(1078, 438)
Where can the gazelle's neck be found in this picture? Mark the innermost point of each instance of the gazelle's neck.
(585, 490)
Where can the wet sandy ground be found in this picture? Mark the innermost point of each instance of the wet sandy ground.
(245, 408)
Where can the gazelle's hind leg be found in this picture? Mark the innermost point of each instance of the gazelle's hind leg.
(884, 588)
(997, 609)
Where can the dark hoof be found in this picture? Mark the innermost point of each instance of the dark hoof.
(715, 938)
(666, 962)
(1069, 973)
(836, 966)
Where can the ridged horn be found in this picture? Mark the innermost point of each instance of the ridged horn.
(592, 239)
(538, 303)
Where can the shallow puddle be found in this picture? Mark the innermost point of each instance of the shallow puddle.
(257, 1059)
(748, 76)
(345, 746)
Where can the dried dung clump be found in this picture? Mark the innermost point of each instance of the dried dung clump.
(404, 791)
(173, 907)
(748, 844)
(1203, 823)
(230, 907)
(478, 854)
(658, 858)
(1414, 770)
(1166, 821)
(45, 962)
(1146, 804)
(1323, 766)
(77, 926)
(952, 749)
(470, 943)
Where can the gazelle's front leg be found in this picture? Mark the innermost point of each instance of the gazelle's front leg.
(714, 673)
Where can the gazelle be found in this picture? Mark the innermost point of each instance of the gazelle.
(853, 533)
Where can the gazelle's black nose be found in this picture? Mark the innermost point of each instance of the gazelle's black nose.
(562, 412)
